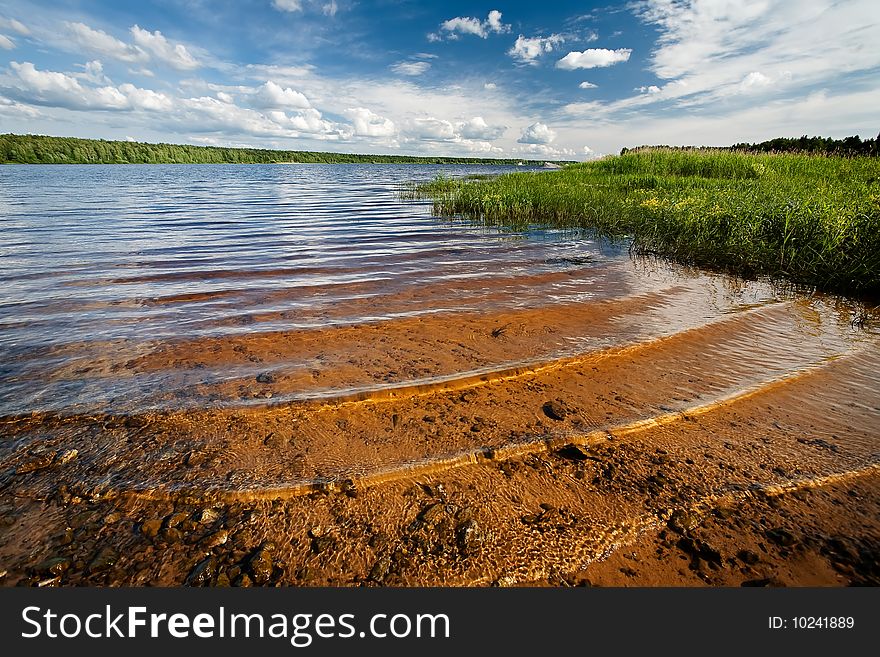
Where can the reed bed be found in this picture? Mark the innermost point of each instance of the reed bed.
(811, 220)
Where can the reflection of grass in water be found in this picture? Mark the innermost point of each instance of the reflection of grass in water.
(809, 219)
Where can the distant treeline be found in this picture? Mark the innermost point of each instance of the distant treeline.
(38, 149)
(849, 146)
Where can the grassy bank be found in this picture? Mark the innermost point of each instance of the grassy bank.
(38, 149)
(812, 220)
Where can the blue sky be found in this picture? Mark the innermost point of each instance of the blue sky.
(553, 79)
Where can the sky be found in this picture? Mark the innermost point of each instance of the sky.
(544, 80)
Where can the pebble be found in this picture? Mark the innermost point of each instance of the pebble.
(214, 540)
(266, 377)
(150, 528)
(349, 488)
(66, 456)
(54, 566)
(203, 573)
(470, 537)
(380, 569)
(433, 513)
(104, 559)
(40, 462)
(322, 544)
(683, 521)
(554, 410)
(781, 537)
(747, 556)
(206, 516)
(260, 564)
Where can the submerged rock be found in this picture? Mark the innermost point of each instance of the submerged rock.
(203, 573)
(260, 564)
(470, 537)
(683, 521)
(265, 377)
(103, 560)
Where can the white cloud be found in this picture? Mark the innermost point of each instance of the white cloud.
(6, 43)
(537, 133)
(369, 124)
(593, 58)
(100, 42)
(14, 109)
(430, 128)
(94, 73)
(490, 86)
(494, 22)
(330, 8)
(454, 27)
(155, 43)
(14, 25)
(56, 89)
(411, 68)
(755, 79)
(287, 5)
(714, 49)
(528, 49)
(272, 95)
(650, 89)
(225, 97)
(307, 121)
(146, 99)
(544, 150)
(477, 128)
(586, 85)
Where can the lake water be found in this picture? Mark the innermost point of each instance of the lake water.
(132, 287)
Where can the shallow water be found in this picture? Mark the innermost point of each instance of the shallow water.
(144, 291)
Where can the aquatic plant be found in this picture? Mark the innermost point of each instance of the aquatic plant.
(812, 220)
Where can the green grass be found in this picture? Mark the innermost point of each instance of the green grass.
(812, 220)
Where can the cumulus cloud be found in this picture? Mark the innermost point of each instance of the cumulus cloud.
(93, 71)
(147, 45)
(593, 58)
(411, 68)
(537, 133)
(272, 95)
(145, 99)
(307, 121)
(368, 124)
(6, 43)
(490, 86)
(528, 49)
(455, 27)
(650, 89)
(430, 128)
(155, 43)
(586, 85)
(477, 128)
(56, 89)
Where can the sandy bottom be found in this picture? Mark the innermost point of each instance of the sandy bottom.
(680, 436)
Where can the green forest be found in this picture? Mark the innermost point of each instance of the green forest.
(38, 149)
(847, 147)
